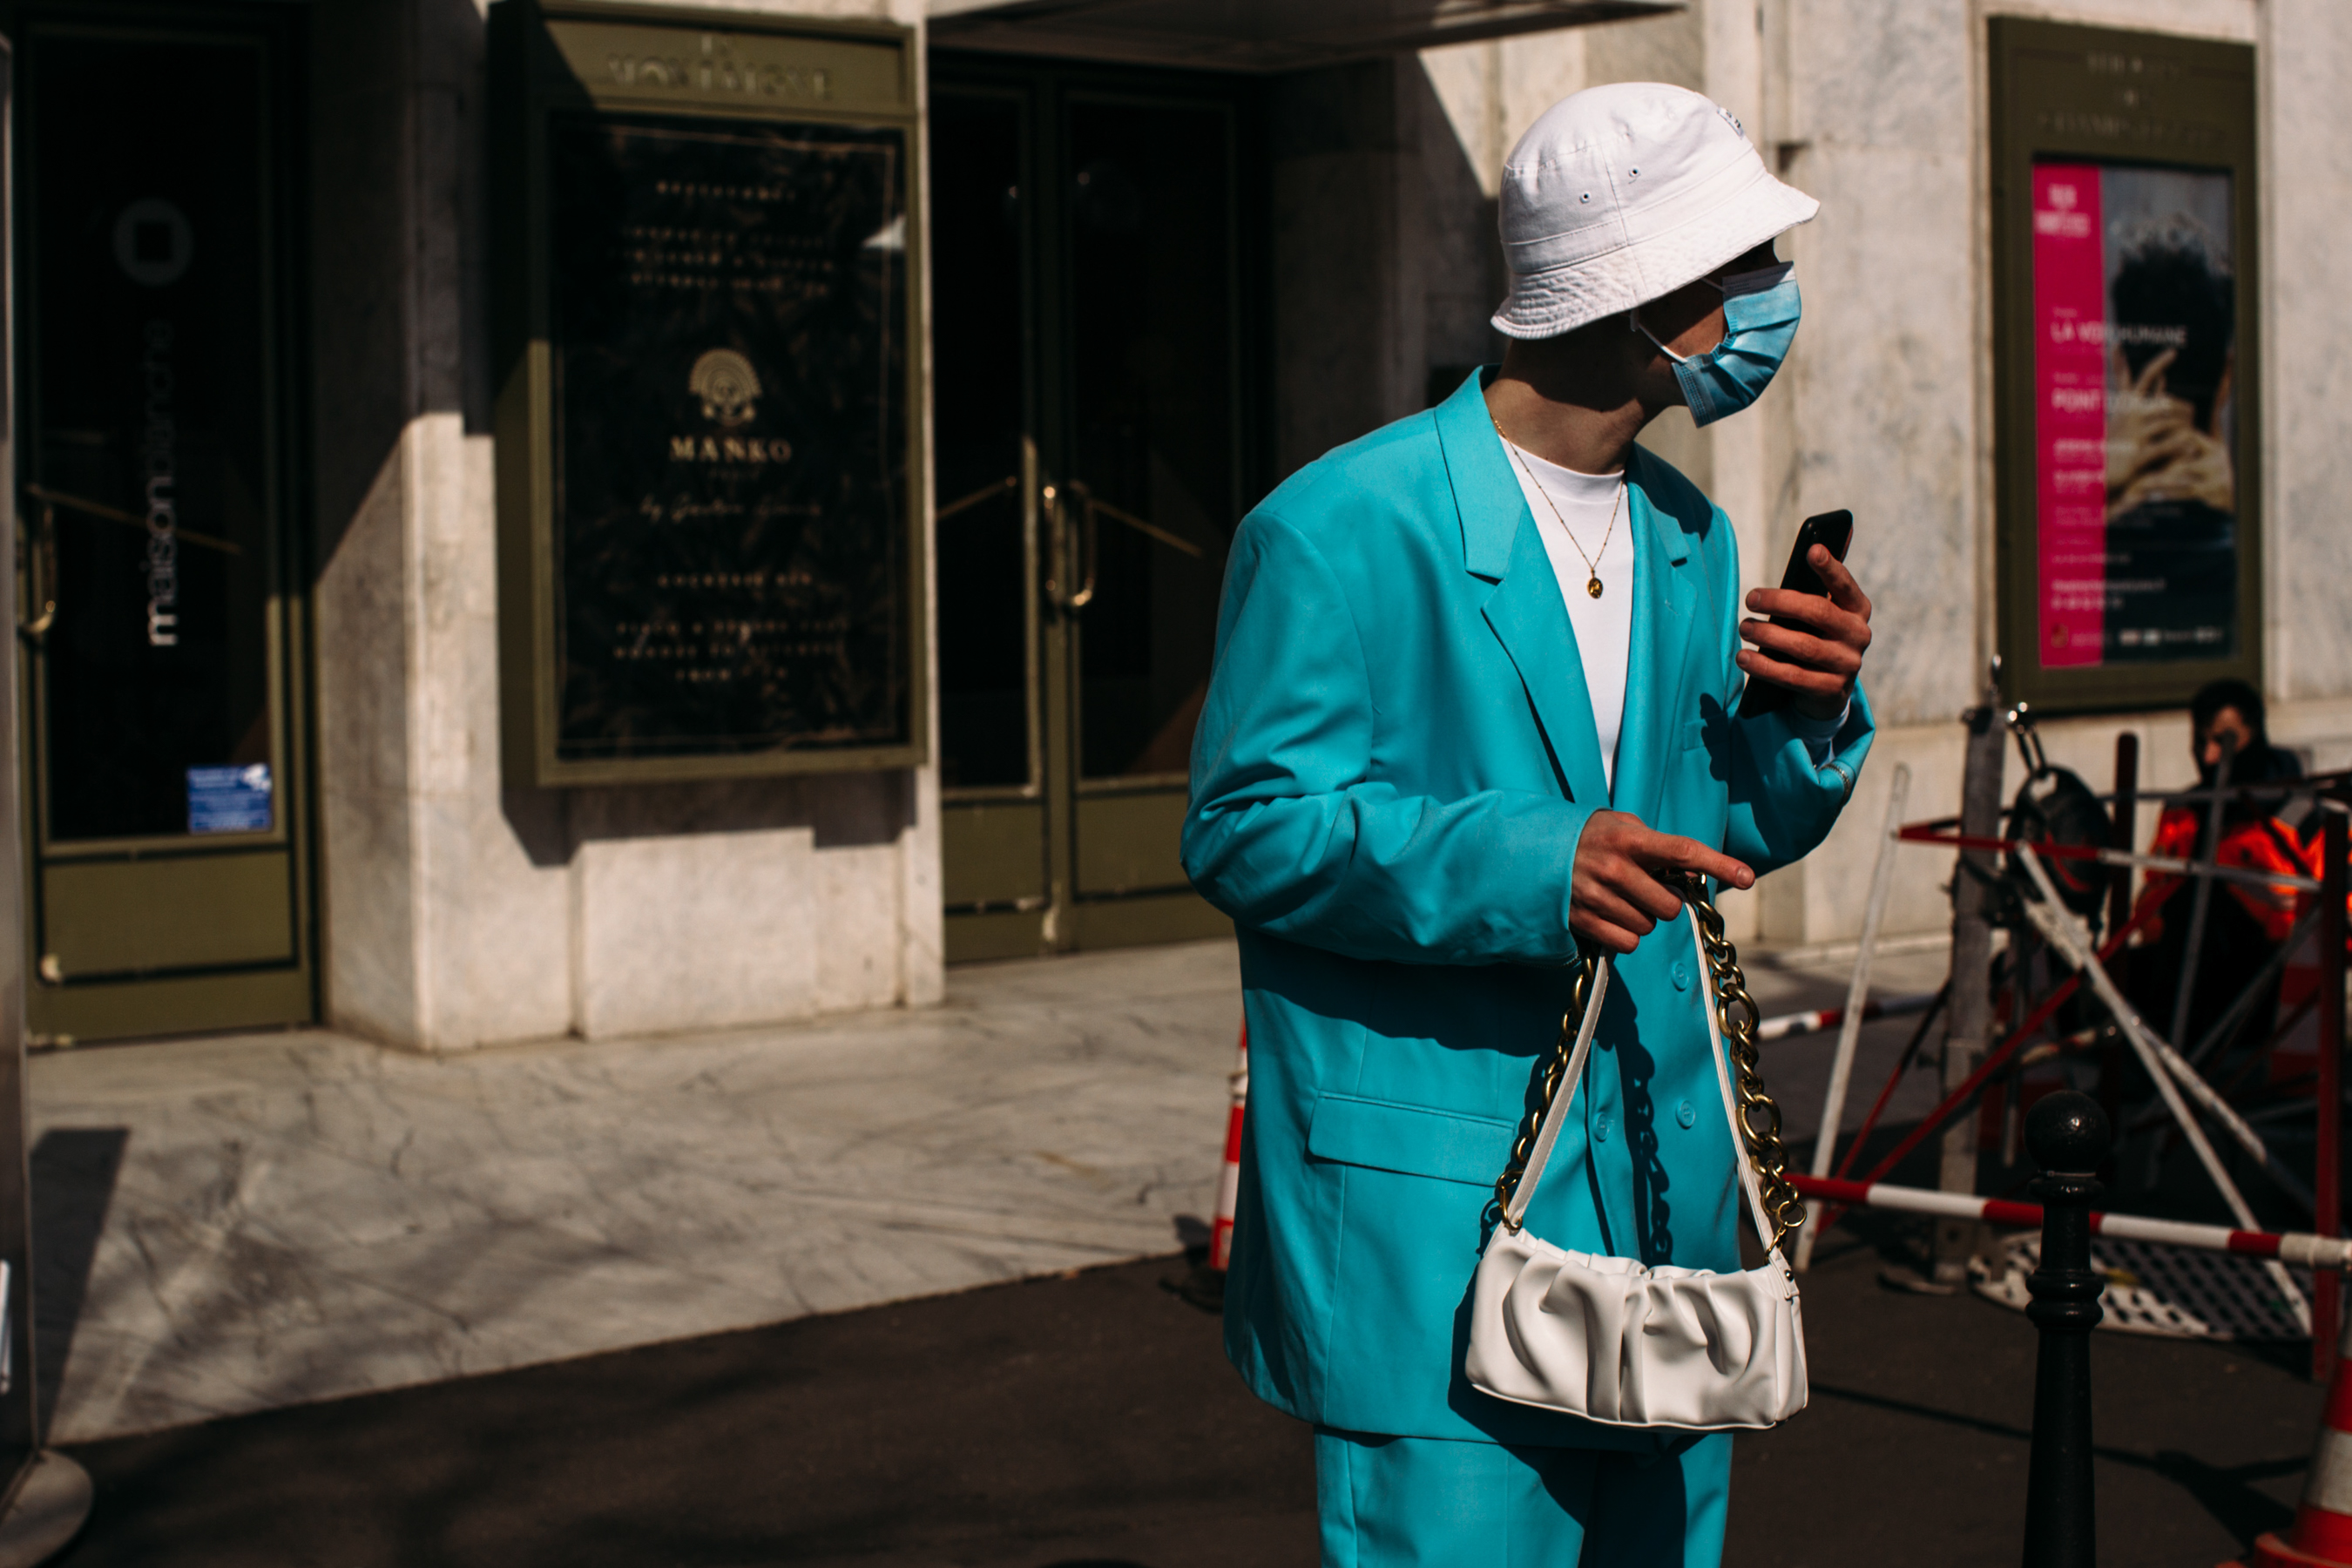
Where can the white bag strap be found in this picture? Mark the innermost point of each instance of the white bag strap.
(1557, 1112)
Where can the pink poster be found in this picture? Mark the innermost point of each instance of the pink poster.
(2135, 539)
(2070, 438)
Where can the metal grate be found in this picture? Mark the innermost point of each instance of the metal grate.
(2173, 1292)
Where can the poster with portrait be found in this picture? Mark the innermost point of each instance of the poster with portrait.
(2136, 509)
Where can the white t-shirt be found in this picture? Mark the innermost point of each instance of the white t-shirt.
(1604, 626)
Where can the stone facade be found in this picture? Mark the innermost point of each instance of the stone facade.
(459, 911)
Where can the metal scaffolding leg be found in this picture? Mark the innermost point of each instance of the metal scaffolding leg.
(2163, 1064)
(2328, 1168)
(2201, 900)
(1970, 1025)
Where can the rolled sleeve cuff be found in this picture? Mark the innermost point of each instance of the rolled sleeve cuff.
(1820, 735)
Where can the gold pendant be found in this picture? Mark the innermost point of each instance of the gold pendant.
(1592, 587)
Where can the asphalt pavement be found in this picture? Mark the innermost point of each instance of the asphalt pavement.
(1088, 1420)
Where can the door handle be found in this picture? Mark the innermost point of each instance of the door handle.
(41, 550)
(36, 631)
(1089, 537)
(1071, 547)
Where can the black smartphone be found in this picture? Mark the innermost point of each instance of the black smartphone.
(1835, 529)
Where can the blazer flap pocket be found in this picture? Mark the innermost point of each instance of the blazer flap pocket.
(1411, 1139)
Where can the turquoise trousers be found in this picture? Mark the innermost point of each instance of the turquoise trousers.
(1430, 1502)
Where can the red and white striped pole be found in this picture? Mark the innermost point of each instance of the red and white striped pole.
(1229, 1180)
(2321, 1536)
(2319, 1252)
(1787, 1026)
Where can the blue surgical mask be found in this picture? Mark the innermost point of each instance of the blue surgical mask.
(1759, 319)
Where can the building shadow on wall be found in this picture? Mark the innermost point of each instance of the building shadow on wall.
(1383, 259)
(839, 810)
(74, 1170)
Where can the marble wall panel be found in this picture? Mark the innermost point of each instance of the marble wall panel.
(2320, 731)
(1461, 253)
(922, 915)
(1867, 74)
(2306, 58)
(497, 956)
(361, 670)
(857, 940)
(497, 940)
(1462, 78)
(1671, 47)
(693, 931)
(1883, 394)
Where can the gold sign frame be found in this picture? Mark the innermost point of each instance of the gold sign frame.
(819, 618)
(2149, 108)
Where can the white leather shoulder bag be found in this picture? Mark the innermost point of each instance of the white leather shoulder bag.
(1620, 1342)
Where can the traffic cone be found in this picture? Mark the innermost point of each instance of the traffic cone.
(1229, 1180)
(2321, 1537)
(1205, 1285)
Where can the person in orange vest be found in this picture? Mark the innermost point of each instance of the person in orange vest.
(2244, 922)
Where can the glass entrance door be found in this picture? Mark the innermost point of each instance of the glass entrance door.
(165, 781)
(1091, 410)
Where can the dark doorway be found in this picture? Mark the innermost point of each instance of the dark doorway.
(1094, 415)
(156, 297)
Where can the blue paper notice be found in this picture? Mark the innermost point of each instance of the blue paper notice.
(229, 800)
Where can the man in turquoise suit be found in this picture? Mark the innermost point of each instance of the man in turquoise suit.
(1477, 689)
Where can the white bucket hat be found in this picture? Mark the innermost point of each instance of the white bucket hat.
(1623, 194)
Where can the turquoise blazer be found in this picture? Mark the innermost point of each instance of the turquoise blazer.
(1391, 770)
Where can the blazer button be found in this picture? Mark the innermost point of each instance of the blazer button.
(1601, 1129)
(1685, 1113)
(1681, 973)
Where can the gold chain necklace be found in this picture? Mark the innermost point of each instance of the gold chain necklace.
(1592, 572)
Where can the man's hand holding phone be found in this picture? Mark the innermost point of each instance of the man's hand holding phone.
(1811, 645)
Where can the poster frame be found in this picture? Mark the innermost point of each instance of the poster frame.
(2155, 101)
(871, 82)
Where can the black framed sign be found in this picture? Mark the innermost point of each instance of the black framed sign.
(707, 448)
(2128, 547)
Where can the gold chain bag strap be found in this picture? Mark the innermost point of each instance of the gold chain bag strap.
(1736, 1019)
(1613, 1339)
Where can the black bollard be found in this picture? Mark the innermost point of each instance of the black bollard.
(2068, 1134)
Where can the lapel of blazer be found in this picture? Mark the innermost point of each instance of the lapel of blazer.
(1499, 545)
(1666, 613)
